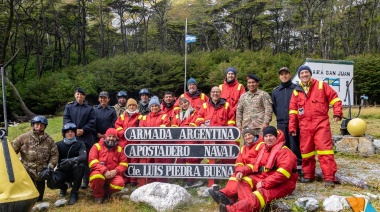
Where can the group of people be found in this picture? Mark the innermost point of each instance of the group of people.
(91, 151)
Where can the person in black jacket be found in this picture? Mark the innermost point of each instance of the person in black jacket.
(83, 116)
(105, 115)
(281, 98)
(71, 163)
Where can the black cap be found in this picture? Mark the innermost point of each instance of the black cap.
(80, 90)
(104, 93)
(270, 130)
(284, 69)
(254, 77)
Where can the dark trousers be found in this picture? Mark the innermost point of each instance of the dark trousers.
(86, 175)
(292, 142)
(40, 185)
(74, 175)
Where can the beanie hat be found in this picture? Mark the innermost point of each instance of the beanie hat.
(304, 67)
(254, 77)
(191, 80)
(231, 69)
(247, 130)
(131, 101)
(154, 101)
(270, 130)
(111, 131)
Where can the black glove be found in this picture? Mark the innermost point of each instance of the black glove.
(46, 174)
(66, 164)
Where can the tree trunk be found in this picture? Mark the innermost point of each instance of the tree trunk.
(29, 114)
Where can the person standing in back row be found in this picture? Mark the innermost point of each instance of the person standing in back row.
(143, 106)
(105, 115)
(255, 107)
(281, 98)
(83, 116)
(308, 110)
(120, 107)
(195, 96)
(231, 89)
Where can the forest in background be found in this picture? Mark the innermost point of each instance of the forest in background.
(130, 44)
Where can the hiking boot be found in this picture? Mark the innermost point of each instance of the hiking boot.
(193, 184)
(197, 184)
(73, 198)
(99, 200)
(84, 186)
(329, 184)
(219, 197)
(305, 180)
(300, 173)
(222, 208)
(63, 192)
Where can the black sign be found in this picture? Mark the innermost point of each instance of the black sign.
(181, 151)
(208, 171)
(182, 134)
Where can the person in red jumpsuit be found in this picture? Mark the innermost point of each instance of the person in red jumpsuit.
(185, 117)
(217, 113)
(308, 109)
(108, 163)
(130, 118)
(231, 89)
(195, 96)
(167, 105)
(252, 144)
(156, 118)
(273, 176)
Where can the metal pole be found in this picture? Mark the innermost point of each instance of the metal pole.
(4, 101)
(184, 84)
(4, 133)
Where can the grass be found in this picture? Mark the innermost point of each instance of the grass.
(371, 115)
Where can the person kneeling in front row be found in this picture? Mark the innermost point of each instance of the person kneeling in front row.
(71, 163)
(274, 175)
(108, 163)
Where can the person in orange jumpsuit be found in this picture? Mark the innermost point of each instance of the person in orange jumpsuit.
(252, 144)
(217, 113)
(195, 96)
(108, 163)
(273, 176)
(185, 117)
(167, 105)
(156, 118)
(130, 118)
(308, 110)
(231, 88)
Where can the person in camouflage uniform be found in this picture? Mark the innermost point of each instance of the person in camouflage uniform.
(38, 151)
(143, 106)
(254, 107)
(121, 105)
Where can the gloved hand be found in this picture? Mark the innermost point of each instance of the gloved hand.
(46, 174)
(66, 164)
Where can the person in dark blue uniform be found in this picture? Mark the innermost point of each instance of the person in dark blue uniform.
(83, 116)
(105, 115)
(281, 98)
(71, 163)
